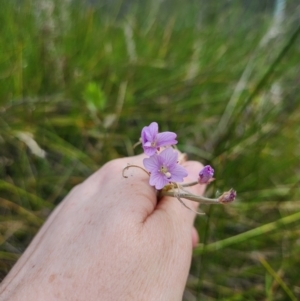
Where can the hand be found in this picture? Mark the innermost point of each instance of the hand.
(109, 239)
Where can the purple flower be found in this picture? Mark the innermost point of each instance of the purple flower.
(227, 197)
(206, 175)
(164, 168)
(152, 140)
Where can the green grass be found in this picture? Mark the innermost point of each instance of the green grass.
(83, 90)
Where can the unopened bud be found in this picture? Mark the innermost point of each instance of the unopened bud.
(227, 197)
(206, 175)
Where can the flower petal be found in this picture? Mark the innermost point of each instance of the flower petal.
(152, 164)
(158, 180)
(177, 173)
(166, 139)
(150, 132)
(149, 151)
(169, 157)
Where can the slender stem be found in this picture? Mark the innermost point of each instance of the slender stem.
(136, 144)
(183, 203)
(245, 236)
(278, 279)
(132, 165)
(191, 197)
(190, 184)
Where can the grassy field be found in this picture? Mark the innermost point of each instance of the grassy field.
(77, 84)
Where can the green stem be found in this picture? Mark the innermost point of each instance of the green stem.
(190, 184)
(262, 230)
(191, 197)
(277, 278)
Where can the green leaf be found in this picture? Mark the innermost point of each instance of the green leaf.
(94, 97)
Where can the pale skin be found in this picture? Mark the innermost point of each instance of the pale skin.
(110, 239)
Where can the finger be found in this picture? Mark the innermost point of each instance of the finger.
(195, 237)
(122, 184)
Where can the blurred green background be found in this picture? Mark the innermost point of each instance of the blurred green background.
(79, 80)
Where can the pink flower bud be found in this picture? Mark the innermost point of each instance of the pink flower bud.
(227, 197)
(206, 175)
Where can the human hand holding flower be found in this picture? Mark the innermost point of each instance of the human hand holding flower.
(110, 239)
(115, 237)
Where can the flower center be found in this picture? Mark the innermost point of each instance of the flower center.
(165, 171)
(153, 144)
